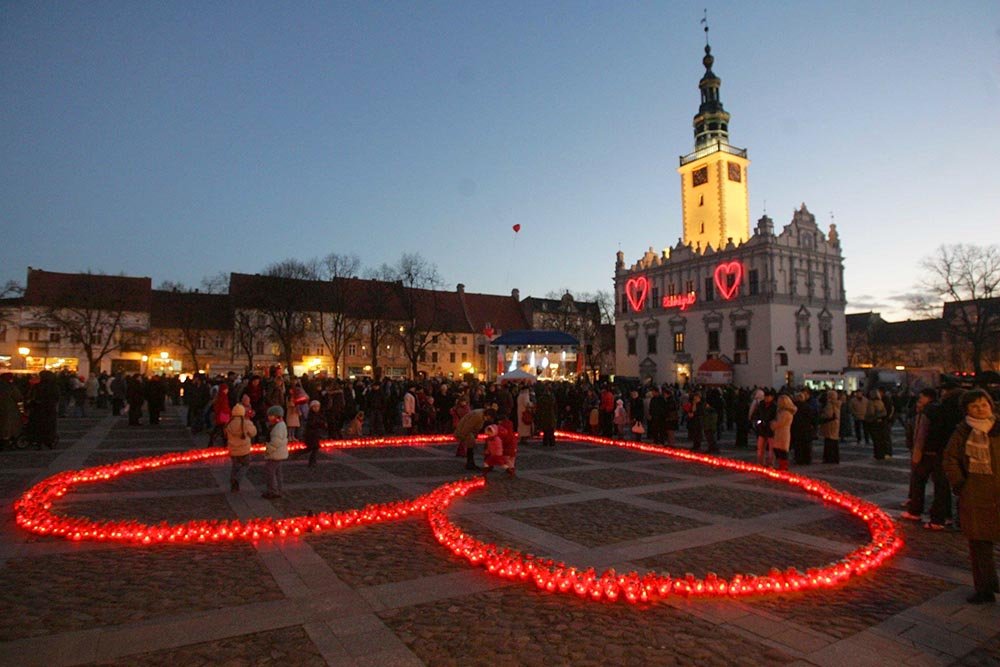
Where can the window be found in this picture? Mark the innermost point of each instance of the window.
(679, 341)
(482, 350)
(671, 290)
(713, 341)
(202, 343)
(656, 297)
(631, 346)
(624, 302)
(423, 357)
(465, 356)
(220, 343)
(699, 177)
(754, 280)
(825, 340)
(260, 348)
(465, 340)
(709, 289)
(651, 344)
(434, 357)
(54, 336)
(352, 349)
(741, 357)
(690, 287)
(741, 339)
(34, 335)
(782, 358)
(451, 357)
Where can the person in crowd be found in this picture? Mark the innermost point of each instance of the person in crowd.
(803, 429)
(293, 418)
(943, 416)
(315, 430)
(829, 426)
(764, 413)
(636, 413)
(606, 408)
(78, 389)
(858, 406)
(972, 465)
(117, 387)
(239, 433)
(525, 416)
(156, 396)
(10, 409)
(781, 427)
(885, 426)
(135, 393)
(493, 449)
(275, 451)
(657, 412)
(92, 387)
(509, 440)
(545, 416)
(695, 411)
(409, 410)
(709, 425)
(221, 414)
(874, 417)
(620, 419)
(925, 461)
(468, 428)
(671, 416)
(741, 418)
(254, 391)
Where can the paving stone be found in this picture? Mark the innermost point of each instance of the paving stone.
(612, 478)
(392, 452)
(729, 501)
(861, 603)
(296, 502)
(285, 646)
(18, 459)
(851, 486)
(385, 553)
(162, 479)
(173, 509)
(678, 467)
(986, 655)
(14, 484)
(612, 455)
(752, 554)
(518, 625)
(601, 522)
(945, 547)
(875, 474)
(501, 488)
(57, 593)
(435, 467)
(839, 527)
(297, 472)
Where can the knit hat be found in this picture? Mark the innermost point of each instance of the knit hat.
(316, 403)
(275, 411)
(238, 410)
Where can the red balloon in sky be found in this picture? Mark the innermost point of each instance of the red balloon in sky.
(517, 228)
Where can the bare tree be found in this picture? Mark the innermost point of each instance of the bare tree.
(285, 307)
(418, 291)
(10, 290)
(94, 318)
(339, 323)
(247, 333)
(967, 278)
(217, 283)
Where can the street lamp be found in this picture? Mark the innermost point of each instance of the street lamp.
(24, 352)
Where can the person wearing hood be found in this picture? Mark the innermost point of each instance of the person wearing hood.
(620, 418)
(239, 434)
(781, 426)
(972, 464)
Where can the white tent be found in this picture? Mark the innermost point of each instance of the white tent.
(517, 375)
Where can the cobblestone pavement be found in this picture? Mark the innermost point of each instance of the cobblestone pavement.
(388, 594)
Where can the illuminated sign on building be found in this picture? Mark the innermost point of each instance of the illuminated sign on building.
(728, 287)
(636, 290)
(681, 301)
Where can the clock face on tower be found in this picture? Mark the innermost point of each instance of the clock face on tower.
(699, 176)
(735, 173)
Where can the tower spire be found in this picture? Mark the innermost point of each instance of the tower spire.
(711, 124)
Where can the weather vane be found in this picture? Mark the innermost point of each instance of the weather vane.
(704, 22)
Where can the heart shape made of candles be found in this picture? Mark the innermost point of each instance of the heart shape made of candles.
(33, 512)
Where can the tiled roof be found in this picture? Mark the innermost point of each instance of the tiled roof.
(910, 332)
(191, 310)
(87, 290)
(502, 313)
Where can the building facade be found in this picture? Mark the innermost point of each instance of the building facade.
(769, 305)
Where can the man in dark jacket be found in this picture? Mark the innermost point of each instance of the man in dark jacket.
(156, 395)
(765, 412)
(942, 416)
(657, 416)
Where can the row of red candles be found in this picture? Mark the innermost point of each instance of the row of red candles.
(34, 512)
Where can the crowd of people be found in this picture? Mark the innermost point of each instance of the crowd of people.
(951, 436)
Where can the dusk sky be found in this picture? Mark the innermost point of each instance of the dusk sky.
(179, 139)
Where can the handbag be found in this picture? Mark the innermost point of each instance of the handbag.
(638, 428)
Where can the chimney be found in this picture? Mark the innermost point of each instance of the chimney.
(461, 288)
(516, 294)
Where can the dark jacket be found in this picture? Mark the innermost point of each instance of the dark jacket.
(979, 495)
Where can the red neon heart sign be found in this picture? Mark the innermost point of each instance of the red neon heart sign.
(636, 290)
(722, 273)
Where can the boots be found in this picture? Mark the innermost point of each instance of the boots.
(470, 462)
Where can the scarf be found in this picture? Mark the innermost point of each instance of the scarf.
(977, 446)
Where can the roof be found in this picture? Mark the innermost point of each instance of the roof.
(535, 337)
(910, 332)
(87, 290)
(502, 313)
(533, 303)
(190, 310)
